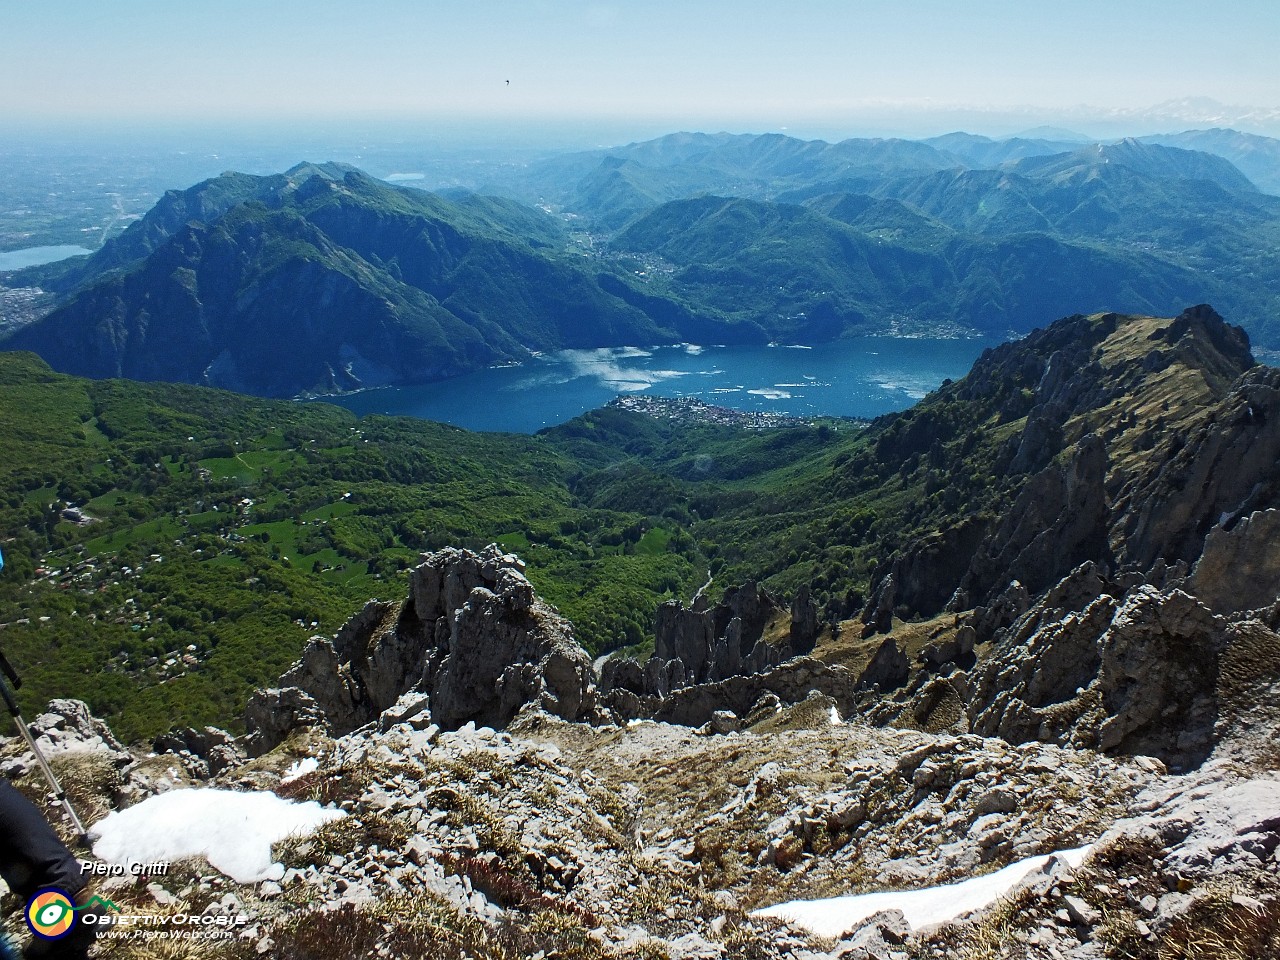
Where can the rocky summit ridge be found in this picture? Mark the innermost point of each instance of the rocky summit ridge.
(1096, 664)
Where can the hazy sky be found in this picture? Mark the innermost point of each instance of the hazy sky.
(710, 62)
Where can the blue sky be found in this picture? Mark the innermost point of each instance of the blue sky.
(703, 62)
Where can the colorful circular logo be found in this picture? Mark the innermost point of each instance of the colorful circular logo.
(50, 914)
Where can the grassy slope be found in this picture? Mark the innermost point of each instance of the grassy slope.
(241, 527)
(614, 511)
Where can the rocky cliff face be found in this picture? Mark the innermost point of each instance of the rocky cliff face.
(1133, 437)
(471, 643)
(737, 643)
(1057, 522)
(1135, 674)
(1219, 469)
(1239, 568)
(1119, 599)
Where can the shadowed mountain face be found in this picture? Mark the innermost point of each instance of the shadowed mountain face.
(989, 235)
(323, 279)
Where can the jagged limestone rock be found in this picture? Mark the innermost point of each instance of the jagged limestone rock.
(888, 669)
(211, 747)
(1222, 469)
(804, 621)
(958, 647)
(1240, 566)
(877, 617)
(68, 724)
(1133, 675)
(471, 634)
(925, 573)
(701, 644)
(1058, 521)
(790, 682)
(272, 714)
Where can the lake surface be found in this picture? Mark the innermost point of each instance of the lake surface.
(36, 256)
(851, 378)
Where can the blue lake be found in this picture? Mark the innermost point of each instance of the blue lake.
(851, 378)
(36, 256)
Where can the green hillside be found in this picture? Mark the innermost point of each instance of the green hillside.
(846, 264)
(325, 279)
(240, 527)
(212, 533)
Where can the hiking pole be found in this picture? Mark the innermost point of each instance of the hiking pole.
(6, 668)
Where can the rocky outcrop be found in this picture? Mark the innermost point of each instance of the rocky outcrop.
(1058, 521)
(1240, 566)
(1133, 675)
(924, 574)
(68, 726)
(1209, 828)
(204, 753)
(804, 621)
(995, 615)
(700, 644)
(791, 682)
(472, 635)
(711, 644)
(272, 714)
(65, 733)
(888, 669)
(877, 616)
(1223, 469)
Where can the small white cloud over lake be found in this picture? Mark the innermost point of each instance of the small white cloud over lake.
(913, 387)
(607, 368)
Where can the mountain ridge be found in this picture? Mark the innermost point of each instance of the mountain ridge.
(289, 255)
(371, 284)
(1079, 712)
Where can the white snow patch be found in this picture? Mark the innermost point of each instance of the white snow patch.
(922, 908)
(233, 830)
(300, 768)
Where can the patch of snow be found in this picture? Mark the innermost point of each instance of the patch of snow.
(233, 830)
(922, 908)
(300, 768)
